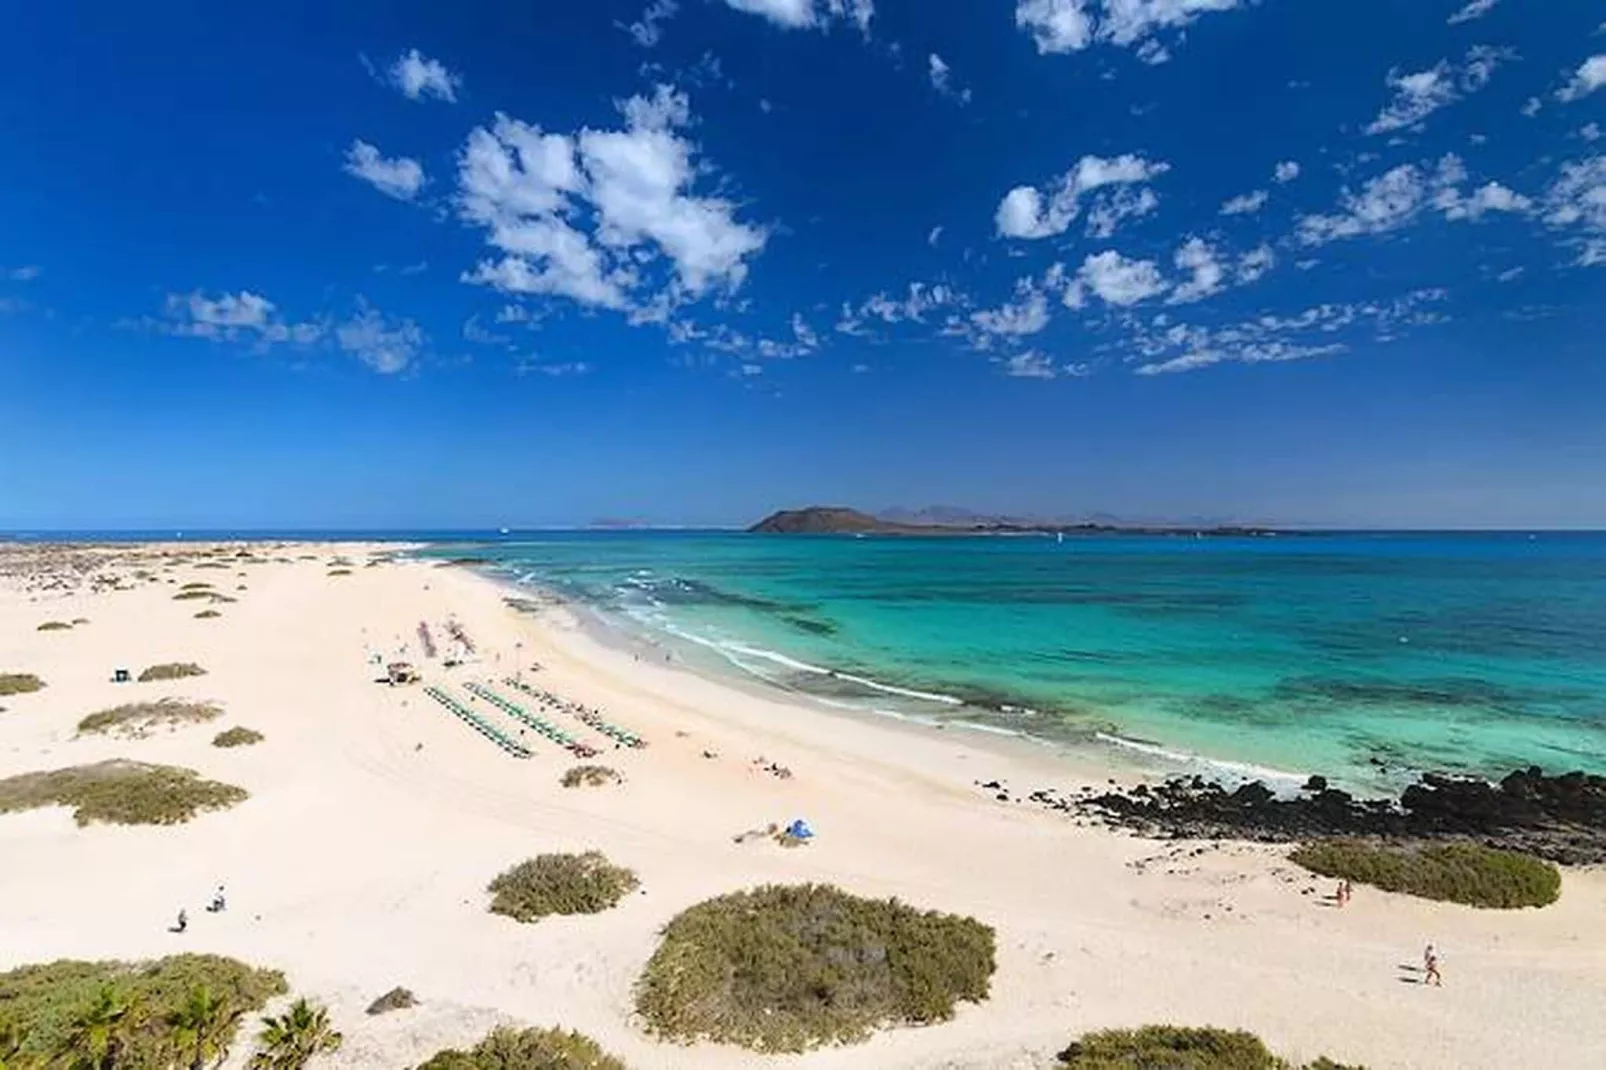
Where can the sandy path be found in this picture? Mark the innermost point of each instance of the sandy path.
(376, 819)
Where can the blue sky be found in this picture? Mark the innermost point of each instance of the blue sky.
(416, 264)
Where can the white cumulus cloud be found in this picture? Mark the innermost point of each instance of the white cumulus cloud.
(588, 215)
(647, 31)
(1073, 25)
(233, 317)
(400, 177)
(1286, 171)
(418, 76)
(1398, 198)
(1115, 280)
(1030, 213)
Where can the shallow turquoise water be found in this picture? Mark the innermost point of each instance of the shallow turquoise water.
(1366, 657)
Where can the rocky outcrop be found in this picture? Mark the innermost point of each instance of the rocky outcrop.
(824, 520)
(1560, 818)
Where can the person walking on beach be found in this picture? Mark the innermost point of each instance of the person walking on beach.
(1430, 967)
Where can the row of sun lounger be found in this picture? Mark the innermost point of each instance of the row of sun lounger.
(586, 714)
(546, 728)
(478, 723)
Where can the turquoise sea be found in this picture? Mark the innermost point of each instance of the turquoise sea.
(1367, 657)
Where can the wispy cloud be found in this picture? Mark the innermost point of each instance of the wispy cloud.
(230, 317)
(386, 345)
(1285, 172)
(647, 31)
(26, 273)
(1474, 10)
(1418, 95)
(942, 80)
(1163, 347)
(418, 76)
(809, 14)
(1031, 213)
(1400, 197)
(1590, 76)
(398, 177)
(1246, 203)
(1576, 202)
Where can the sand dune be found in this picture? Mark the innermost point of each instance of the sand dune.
(376, 818)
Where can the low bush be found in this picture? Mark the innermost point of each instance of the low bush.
(207, 614)
(397, 999)
(788, 968)
(138, 718)
(19, 683)
(120, 792)
(55, 1009)
(528, 1049)
(589, 776)
(1454, 872)
(1169, 1047)
(238, 736)
(560, 884)
(172, 670)
(340, 572)
(54, 626)
(196, 586)
(191, 595)
(76, 621)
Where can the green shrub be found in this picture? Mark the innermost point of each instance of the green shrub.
(138, 718)
(1454, 872)
(191, 595)
(528, 1049)
(172, 670)
(560, 884)
(120, 792)
(196, 586)
(787, 968)
(76, 621)
(49, 1006)
(207, 614)
(1169, 1047)
(19, 683)
(589, 776)
(54, 626)
(238, 736)
(340, 572)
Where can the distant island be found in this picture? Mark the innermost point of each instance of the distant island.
(839, 520)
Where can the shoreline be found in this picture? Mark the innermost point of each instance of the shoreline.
(376, 819)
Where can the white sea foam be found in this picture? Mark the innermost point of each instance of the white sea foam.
(1235, 770)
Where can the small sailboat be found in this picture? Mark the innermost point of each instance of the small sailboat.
(502, 531)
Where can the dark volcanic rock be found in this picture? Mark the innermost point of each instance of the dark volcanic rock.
(1562, 818)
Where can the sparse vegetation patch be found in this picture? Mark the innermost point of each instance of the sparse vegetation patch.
(138, 718)
(19, 683)
(528, 1049)
(120, 792)
(172, 670)
(207, 614)
(1454, 872)
(54, 626)
(1169, 1047)
(238, 736)
(560, 884)
(590, 776)
(397, 999)
(788, 968)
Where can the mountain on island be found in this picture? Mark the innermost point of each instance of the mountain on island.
(840, 520)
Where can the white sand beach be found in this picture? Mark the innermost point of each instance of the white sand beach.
(376, 819)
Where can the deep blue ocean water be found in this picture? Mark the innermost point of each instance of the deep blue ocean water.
(1367, 657)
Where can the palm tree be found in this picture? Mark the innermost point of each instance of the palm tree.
(292, 1040)
(99, 1034)
(202, 1028)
